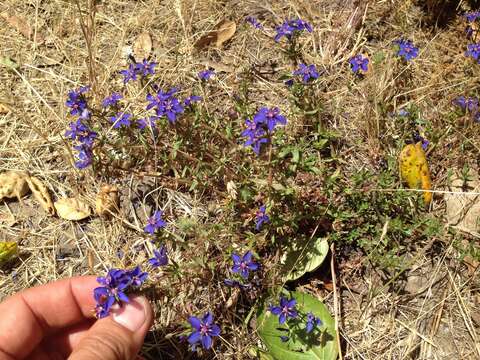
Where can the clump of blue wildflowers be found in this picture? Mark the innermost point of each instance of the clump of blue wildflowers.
(138, 69)
(203, 331)
(260, 129)
(359, 63)
(307, 73)
(114, 288)
(80, 132)
(292, 28)
(473, 51)
(206, 74)
(406, 49)
(468, 105)
(165, 104)
(296, 321)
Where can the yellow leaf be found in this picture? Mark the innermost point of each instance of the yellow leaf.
(8, 250)
(13, 184)
(41, 193)
(72, 209)
(107, 201)
(414, 169)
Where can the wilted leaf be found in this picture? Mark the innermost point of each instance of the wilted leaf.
(13, 184)
(320, 344)
(225, 32)
(22, 27)
(142, 47)
(107, 201)
(72, 209)
(4, 108)
(41, 193)
(414, 169)
(463, 210)
(221, 33)
(304, 256)
(8, 250)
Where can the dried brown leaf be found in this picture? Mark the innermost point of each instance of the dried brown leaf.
(22, 26)
(221, 33)
(13, 184)
(226, 30)
(4, 108)
(41, 193)
(142, 48)
(107, 201)
(72, 209)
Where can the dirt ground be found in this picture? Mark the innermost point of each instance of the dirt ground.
(428, 310)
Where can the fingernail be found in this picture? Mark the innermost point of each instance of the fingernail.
(132, 315)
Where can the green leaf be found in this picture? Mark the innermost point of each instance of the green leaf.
(9, 63)
(302, 256)
(321, 344)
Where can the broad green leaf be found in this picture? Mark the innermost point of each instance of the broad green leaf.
(304, 256)
(321, 344)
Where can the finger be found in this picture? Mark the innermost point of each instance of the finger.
(29, 316)
(119, 336)
(63, 343)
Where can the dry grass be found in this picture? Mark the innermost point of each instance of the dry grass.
(377, 321)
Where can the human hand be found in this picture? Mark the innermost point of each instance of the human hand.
(55, 321)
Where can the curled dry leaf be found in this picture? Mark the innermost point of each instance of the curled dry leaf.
(414, 169)
(108, 201)
(142, 47)
(41, 193)
(13, 184)
(22, 26)
(222, 32)
(72, 209)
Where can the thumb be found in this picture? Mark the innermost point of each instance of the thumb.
(119, 336)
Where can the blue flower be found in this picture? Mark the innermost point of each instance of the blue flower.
(307, 72)
(285, 310)
(403, 113)
(242, 265)
(261, 218)
(77, 128)
(76, 101)
(83, 157)
(470, 104)
(165, 104)
(421, 139)
(206, 74)
(254, 22)
(191, 99)
(160, 257)
(406, 49)
(121, 119)
(147, 122)
(111, 100)
(137, 277)
(472, 16)
(358, 62)
(129, 74)
(255, 135)
(203, 331)
(473, 51)
(112, 290)
(291, 28)
(270, 117)
(312, 321)
(138, 69)
(155, 222)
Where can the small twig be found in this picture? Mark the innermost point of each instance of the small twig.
(336, 304)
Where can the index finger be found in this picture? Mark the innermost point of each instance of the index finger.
(27, 317)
